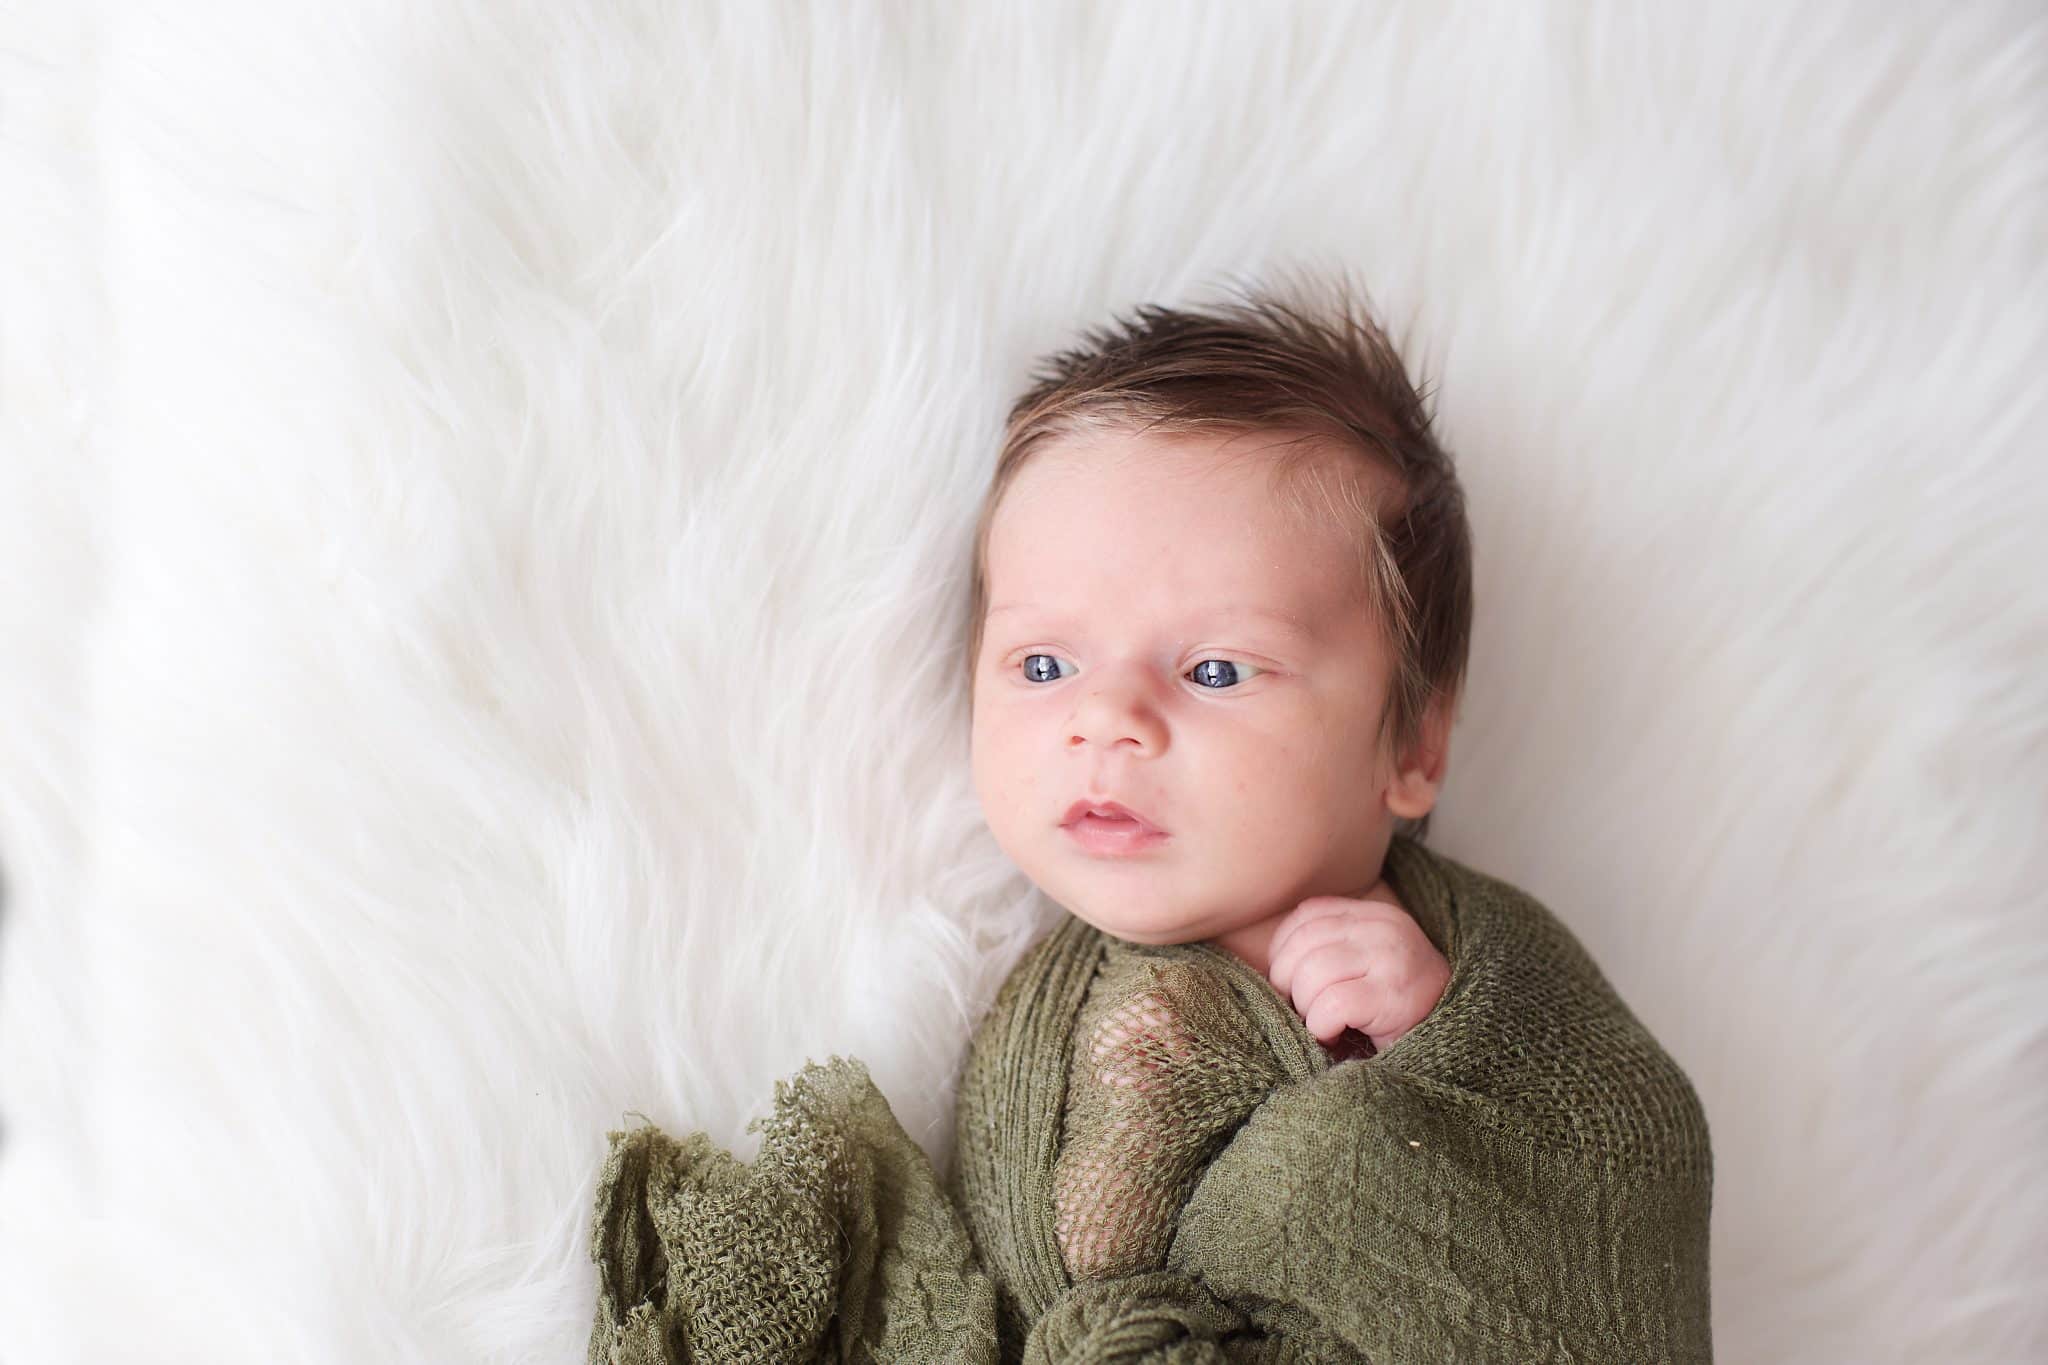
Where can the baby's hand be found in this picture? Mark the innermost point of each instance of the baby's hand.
(1360, 963)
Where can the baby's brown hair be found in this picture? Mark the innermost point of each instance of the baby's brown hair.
(1324, 374)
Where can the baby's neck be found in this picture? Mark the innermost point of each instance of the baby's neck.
(1252, 943)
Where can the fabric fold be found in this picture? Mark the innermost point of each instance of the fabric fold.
(1154, 1316)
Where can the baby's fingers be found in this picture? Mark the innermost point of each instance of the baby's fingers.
(1323, 967)
(1358, 1003)
(1306, 938)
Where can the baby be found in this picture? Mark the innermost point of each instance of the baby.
(1221, 602)
(1222, 598)
(1285, 1084)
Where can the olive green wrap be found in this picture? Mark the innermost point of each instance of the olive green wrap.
(1156, 1163)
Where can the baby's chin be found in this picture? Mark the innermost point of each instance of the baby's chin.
(1153, 928)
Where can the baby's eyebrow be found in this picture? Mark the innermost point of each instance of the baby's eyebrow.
(1289, 620)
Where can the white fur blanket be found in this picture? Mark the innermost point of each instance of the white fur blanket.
(484, 496)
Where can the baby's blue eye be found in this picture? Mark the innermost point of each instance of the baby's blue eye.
(1220, 673)
(1042, 667)
(1215, 674)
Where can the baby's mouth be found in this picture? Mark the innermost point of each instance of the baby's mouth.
(1107, 815)
(1107, 830)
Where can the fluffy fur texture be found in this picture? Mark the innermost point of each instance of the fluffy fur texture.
(483, 518)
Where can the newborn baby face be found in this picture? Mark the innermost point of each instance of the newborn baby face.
(1166, 634)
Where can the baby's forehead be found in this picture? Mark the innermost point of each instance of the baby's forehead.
(1306, 583)
(1308, 471)
(1266, 483)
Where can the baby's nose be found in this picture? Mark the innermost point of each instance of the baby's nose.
(1118, 717)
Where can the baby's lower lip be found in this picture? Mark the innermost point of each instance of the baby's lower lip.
(1109, 837)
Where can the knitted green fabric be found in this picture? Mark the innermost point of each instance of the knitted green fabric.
(1157, 1163)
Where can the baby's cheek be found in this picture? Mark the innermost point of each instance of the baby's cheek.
(1276, 839)
(1292, 788)
(1349, 790)
(998, 781)
(1004, 813)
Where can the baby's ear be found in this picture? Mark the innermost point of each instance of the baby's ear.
(1419, 775)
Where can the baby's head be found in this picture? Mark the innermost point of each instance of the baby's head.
(1222, 579)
